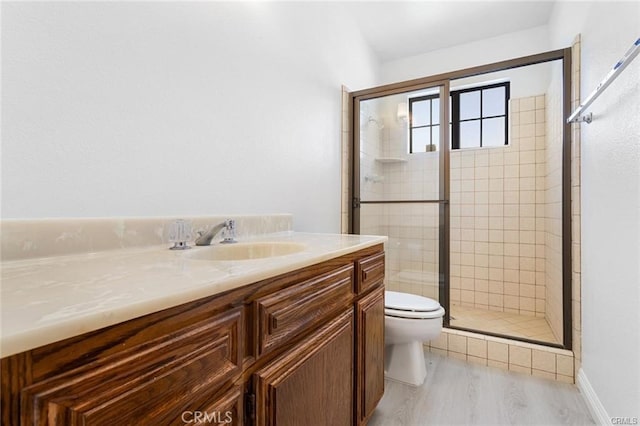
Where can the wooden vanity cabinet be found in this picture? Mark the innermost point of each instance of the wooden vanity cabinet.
(305, 347)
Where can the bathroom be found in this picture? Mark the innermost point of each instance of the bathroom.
(147, 110)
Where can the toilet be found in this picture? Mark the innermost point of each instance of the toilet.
(409, 321)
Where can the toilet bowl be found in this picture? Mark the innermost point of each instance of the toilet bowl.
(409, 321)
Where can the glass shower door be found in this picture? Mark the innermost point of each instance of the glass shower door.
(401, 184)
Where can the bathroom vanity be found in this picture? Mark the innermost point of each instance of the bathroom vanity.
(300, 347)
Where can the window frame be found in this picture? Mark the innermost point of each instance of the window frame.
(455, 112)
(430, 126)
(455, 115)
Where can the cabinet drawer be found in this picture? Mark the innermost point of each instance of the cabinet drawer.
(289, 312)
(369, 272)
(154, 382)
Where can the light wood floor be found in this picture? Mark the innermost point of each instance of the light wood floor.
(503, 323)
(460, 393)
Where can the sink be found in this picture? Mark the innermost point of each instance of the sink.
(245, 251)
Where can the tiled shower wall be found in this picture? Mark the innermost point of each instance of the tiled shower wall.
(498, 213)
(413, 228)
(412, 249)
(497, 218)
(389, 173)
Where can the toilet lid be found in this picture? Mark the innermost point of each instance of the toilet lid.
(394, 300)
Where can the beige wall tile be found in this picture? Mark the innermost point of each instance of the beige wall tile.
(481, 285)
(527, 131)
(457, 355)
(543, 360)
(527, 304)
(496, 300)
(564, 379)
(511, 289)
(520, 369)
(476, 360)
(498, 351)
(527, 117)
(527, 290)
(512, 303)
(477, 347)
(564, 365)
(543, 374)
(440, 342)
(519, 356)
(457, 343)
(527, 104)
(496, 286)
(498, 364)
(439, 351)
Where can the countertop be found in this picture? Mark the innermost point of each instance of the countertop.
(45, 300)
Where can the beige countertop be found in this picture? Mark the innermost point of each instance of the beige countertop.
(45, 300)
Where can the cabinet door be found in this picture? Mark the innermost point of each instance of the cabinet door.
(313, 383)
(370, 357)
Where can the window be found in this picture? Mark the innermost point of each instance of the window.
(424, 123)
(478, 119)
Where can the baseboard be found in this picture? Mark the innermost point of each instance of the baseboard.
(591, 398)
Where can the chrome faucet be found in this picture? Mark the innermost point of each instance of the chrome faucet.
(229, 227)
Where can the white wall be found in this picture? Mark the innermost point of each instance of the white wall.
(485, 51)
(531, 80)
(149, 109)
(610, 200)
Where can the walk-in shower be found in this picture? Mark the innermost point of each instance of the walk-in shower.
(469, 178)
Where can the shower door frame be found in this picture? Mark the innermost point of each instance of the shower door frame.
(443, 80)
(443, 174)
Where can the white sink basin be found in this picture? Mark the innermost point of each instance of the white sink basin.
(245, 251)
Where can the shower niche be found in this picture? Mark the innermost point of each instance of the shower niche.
(476, 210)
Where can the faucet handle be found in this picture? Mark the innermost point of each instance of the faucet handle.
(229, 232)
(180, 234)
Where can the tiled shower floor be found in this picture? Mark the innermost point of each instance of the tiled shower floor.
(502, 323)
